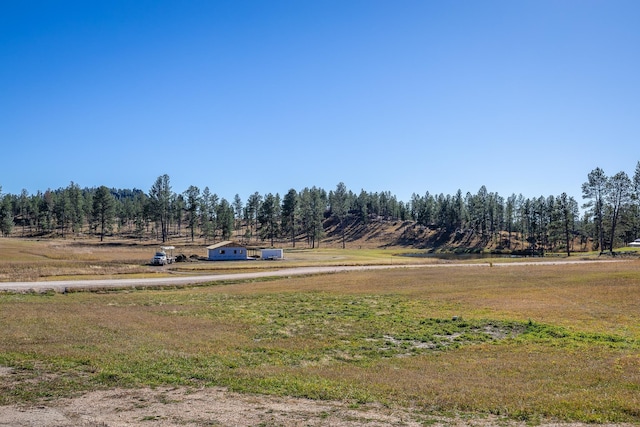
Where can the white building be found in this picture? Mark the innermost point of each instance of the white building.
(272, 254)
(226, 251)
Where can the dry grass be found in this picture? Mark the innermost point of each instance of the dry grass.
(569, 348)
(37, 260)
(29, 260)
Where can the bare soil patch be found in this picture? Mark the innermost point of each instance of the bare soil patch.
(168, 407)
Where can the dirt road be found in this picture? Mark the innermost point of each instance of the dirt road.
(64, 285)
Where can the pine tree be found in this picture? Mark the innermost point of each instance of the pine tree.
(225, 217)
(192, 204)
(208, 204)
(160, 199)
(594, 190)
(618, 197)
(313, 204)
(289, 214)
(339, 203)
(269, 217)
(103, 210)
(237, 211)
(6, 214)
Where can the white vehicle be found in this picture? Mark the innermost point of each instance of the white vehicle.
(635, 243)
(161, 257)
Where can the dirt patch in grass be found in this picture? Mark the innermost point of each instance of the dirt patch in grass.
(167, 407)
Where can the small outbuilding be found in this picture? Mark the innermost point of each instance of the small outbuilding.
(227, 251)
(272, 254)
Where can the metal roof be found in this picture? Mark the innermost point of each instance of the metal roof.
(224, 244)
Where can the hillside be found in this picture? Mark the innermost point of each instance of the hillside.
(376, 232)
(379, 233)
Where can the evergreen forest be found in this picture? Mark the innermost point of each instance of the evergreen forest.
(607, 217)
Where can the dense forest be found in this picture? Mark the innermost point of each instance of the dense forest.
(609, 218)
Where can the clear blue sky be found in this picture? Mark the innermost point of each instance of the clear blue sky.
(523, 96)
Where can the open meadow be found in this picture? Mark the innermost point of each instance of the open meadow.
(525, 343)
(51, 259)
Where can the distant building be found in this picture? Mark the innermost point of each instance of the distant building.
(227, 251)
(272, 254)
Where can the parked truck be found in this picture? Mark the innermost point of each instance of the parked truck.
(161, 257)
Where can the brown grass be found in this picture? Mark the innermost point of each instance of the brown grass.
(38, 260)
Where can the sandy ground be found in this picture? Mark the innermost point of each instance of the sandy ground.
(168, 407)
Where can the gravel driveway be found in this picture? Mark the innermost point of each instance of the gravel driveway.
(64, 285)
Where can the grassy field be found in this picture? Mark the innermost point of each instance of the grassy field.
(527, 342)
(38, 260)
(51, 259)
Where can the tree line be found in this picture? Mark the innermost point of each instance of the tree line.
(610, 217)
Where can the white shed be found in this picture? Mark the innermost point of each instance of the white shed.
(272, 254)
(226, 251)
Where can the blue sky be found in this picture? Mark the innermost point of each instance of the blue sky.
(244, 96)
